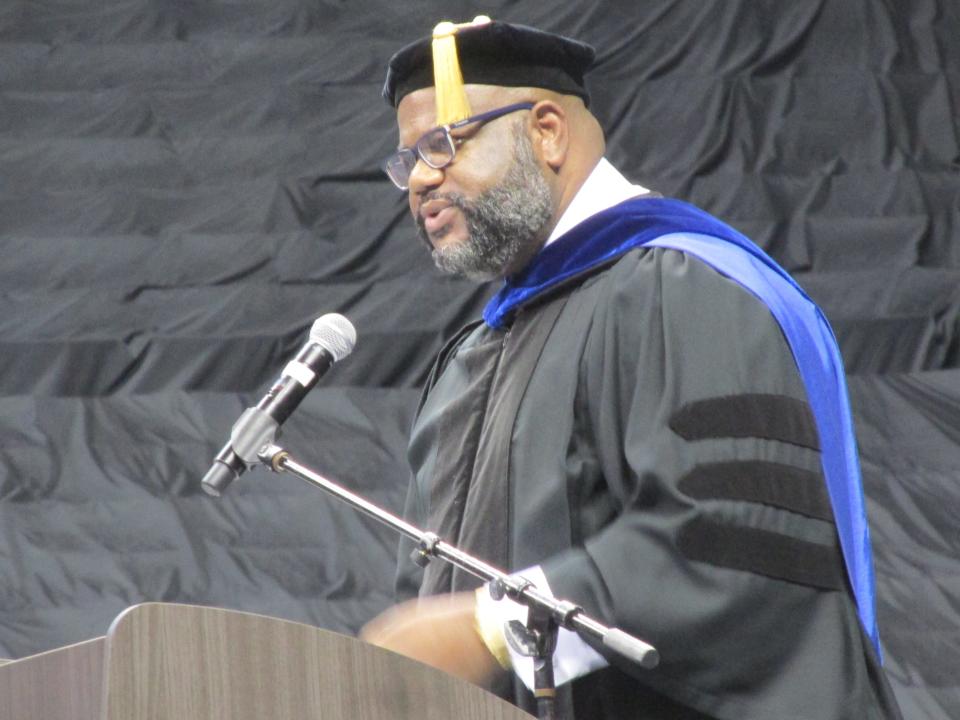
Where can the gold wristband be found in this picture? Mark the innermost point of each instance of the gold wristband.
(491, 633)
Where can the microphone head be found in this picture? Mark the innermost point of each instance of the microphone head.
(335, 334)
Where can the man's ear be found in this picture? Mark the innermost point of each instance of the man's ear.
(551, 133)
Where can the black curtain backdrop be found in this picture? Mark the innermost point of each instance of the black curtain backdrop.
(185, 185)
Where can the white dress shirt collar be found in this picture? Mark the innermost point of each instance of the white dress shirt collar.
(603, 188)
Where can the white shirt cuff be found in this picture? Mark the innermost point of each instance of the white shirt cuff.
(573, 658)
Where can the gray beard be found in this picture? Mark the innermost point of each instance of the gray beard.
(506, 222)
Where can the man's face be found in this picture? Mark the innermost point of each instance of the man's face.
(485, 214)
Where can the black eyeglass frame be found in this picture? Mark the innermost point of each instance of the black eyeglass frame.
(407, 157)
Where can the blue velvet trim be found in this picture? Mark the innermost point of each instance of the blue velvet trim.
(680, 226)
(598, 240)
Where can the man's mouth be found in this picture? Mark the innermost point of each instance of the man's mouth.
(436, 215)
(433, 223)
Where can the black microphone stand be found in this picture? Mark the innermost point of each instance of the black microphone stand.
(546, 615)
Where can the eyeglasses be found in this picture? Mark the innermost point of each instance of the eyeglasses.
(436, 147)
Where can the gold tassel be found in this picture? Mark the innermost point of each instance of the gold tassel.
(451, 97)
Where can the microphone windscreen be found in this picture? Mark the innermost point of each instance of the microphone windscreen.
(335, 333)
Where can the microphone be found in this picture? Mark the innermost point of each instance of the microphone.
(332, 338)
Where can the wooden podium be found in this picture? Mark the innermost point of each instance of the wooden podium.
(161, 661)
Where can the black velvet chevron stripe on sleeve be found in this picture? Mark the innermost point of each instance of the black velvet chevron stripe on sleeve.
(771, 417)
(770, 483)
(764, 552)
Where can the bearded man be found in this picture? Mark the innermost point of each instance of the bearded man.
(650, 420)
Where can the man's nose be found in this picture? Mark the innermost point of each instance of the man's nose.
(424, 178)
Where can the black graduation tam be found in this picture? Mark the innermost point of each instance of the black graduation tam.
(491, 53)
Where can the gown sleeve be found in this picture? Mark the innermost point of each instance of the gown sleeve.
(721, 550)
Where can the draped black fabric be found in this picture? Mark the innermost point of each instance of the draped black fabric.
(186, 185)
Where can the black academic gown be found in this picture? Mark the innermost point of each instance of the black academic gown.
(642, 433)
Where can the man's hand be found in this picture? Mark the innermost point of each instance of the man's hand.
(439, 631)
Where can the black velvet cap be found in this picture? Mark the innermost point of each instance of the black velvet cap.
(497, 53)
